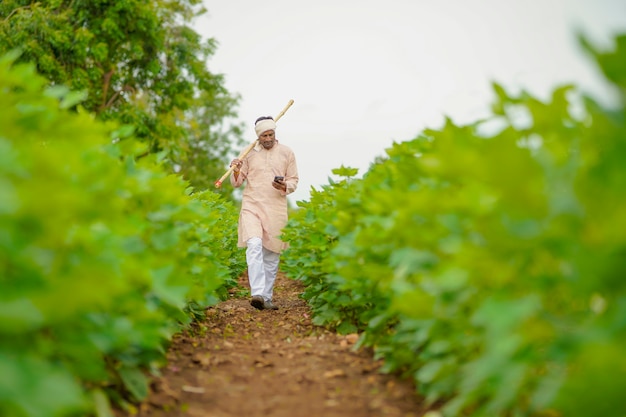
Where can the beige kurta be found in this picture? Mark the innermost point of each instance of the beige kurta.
(264, 208)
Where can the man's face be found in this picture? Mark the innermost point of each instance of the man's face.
(268, 139)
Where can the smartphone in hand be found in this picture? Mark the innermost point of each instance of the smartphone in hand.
(279, 179)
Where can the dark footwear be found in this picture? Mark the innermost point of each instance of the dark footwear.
(269, 306)
(257, 302)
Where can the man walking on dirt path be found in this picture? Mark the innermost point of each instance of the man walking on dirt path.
(270, 173)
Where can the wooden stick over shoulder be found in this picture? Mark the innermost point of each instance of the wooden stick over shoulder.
(247, 150)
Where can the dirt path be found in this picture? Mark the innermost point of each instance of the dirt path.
(245, 362)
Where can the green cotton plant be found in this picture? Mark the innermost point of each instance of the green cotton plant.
(100, 255)
(601, 260)
(486, 261)
(312, 235)
(472, 239)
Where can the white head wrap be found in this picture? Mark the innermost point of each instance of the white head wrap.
(264, 125)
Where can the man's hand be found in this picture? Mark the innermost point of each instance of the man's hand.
(279, 185)
(237, 163)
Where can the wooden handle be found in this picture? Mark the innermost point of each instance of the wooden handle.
(284, 110)
(242, 155)
(246, 151)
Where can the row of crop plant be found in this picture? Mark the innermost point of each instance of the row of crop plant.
(102, 258)
(487, 262)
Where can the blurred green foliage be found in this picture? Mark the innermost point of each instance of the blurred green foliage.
(486, 261)
(138, 63)
(101, 256)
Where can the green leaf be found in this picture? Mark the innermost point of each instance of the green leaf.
(345, 171)
(101, 404)
(19, 316)
(135, 381)
(346, 328)
(73, 98)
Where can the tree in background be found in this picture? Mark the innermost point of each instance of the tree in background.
(139, 63)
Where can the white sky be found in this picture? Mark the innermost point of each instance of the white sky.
(364, 74)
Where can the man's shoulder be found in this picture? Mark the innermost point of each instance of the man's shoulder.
(284, 147)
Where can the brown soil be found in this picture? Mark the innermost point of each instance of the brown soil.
(244, 362)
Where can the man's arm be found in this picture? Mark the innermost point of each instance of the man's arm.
(291, 174)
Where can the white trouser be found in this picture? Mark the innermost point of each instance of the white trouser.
(262, 268)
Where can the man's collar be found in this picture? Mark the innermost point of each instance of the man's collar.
(258, 147)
